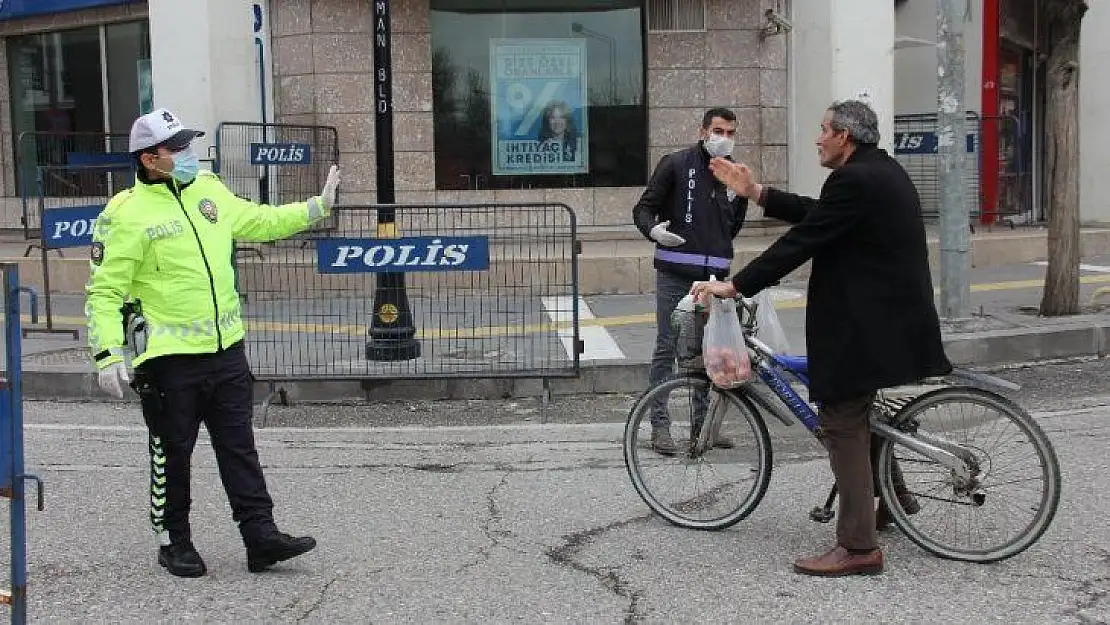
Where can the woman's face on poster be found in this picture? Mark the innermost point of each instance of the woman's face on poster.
(557, 119)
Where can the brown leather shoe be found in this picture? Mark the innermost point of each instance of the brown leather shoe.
(839, 562)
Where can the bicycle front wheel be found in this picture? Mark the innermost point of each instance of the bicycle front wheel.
(1014, 486)
(706, 489)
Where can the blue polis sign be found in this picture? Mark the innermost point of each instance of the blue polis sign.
(924, 142)
(405, 254)
(69, 227)
(281, 154)
(11, 9)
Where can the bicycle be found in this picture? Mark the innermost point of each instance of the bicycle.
(907, 421)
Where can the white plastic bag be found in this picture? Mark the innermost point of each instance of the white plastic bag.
(768, 327)
(687, 329)
(724, 352)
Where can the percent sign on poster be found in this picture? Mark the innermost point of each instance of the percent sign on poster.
(539, 99)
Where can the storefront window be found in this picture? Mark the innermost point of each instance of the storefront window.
(535, 94)
(69, 88)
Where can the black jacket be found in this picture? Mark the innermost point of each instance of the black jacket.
(703, 215)
(871, 321)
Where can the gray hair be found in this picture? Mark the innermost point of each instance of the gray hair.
(857, 118)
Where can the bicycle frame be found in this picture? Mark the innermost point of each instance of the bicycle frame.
(791, 408)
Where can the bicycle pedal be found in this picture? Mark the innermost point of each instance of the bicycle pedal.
(821, 515)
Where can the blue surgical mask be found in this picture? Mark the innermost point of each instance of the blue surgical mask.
(186, 164)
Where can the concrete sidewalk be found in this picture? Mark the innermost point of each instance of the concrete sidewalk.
(618, 332)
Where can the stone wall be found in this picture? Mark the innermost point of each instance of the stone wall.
(323, 61)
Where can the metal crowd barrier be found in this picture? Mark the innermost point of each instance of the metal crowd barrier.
(66, 215)
(65, 155)
(492, 289)
(915, 146)
(274, 163)
(12, 475)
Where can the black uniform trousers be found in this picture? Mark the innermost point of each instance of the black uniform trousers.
(218, 390)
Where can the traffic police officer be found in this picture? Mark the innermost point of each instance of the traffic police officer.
(162, 268)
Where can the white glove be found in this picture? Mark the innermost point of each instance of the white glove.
(664, 236)
(330, 185)
(113, 379)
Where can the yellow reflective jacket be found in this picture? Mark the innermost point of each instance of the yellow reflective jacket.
(170, 247)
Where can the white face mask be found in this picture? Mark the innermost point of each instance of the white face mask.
(719, 145)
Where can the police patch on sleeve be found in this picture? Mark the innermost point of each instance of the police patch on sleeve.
(208, 208)
(96, 253)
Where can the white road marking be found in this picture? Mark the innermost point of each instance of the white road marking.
(598, 343)
(1082, 267)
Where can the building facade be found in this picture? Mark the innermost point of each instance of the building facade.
(636, 76)
(70, 66)
(1005, 99)
(634, 80)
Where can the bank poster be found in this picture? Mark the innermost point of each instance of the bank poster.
(538, 97)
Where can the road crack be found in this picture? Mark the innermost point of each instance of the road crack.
(491, 525)
(311, 605)
(1091, 593)
(609, 576)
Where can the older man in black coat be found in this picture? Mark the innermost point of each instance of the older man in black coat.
(871, 322)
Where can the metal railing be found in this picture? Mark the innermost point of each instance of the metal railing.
(491, 291)
(915, 146)
(66, 215)
(13, 477)
(274, 163)
(66, 155)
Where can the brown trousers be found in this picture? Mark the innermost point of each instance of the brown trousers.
(846, 434)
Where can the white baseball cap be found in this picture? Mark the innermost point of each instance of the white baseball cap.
(160, 128)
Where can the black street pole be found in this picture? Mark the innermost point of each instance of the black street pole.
(392, 332)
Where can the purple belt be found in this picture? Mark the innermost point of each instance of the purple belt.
(682, 258)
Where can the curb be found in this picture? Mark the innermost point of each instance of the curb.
(1070, 338)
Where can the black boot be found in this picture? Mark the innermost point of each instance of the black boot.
(181, 559)
(267, 550)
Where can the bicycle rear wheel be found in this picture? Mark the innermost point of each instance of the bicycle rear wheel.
(707, 490)
(1014, 489)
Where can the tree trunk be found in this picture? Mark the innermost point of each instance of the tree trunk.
(1062, 20)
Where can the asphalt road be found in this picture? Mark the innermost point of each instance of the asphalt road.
(517, 521)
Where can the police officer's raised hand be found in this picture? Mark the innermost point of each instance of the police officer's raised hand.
(330, 186)
(113, 379)
(665, 237)
(737, 176)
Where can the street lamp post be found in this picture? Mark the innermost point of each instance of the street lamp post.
(392, 334)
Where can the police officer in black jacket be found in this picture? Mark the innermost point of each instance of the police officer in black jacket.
(692, 218)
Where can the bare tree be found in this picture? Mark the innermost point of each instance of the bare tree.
(1062, 20)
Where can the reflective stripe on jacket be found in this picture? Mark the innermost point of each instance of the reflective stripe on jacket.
(170, 246)
(683, 191)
